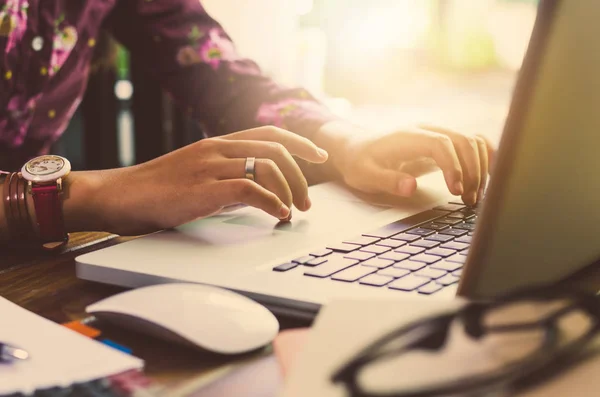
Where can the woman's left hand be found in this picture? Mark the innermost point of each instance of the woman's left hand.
(390, 163)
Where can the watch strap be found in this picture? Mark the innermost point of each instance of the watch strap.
(48, 210)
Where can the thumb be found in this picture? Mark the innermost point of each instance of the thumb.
(381, 179)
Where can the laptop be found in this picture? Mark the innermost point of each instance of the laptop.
(539, 222)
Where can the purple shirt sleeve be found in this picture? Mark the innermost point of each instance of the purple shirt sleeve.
(196, 63)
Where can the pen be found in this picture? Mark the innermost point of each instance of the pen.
(11, 353)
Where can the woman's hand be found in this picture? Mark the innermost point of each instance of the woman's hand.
(390, 163)
(202, 178)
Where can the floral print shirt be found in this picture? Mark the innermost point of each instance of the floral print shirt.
(45, 52)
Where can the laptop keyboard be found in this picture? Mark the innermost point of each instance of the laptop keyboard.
(423, 253)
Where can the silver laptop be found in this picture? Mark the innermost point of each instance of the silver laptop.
(539, 223)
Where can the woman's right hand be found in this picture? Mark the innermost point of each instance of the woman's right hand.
(202, 178)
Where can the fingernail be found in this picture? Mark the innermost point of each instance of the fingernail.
(474, 198)
(307, 203)
(284, 211)
(459, 187)
(481, 194)
(323, 153)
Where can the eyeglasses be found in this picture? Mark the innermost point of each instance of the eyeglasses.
(509, 343)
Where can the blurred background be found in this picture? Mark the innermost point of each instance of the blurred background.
(380, 63)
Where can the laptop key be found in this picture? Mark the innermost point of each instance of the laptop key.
(454, 232)
(469, 211)
(448, 221)
(362, 240)
(449, 207)
(425, 243)
(440, 252)
(471, 220)
(410, 265)
(447, 266)
(425, 258)
(394, 256)
(405, 224)
(409, 249)
(376, 280)
(420, 231)
(376, 249)
(408, 283)
(448, 279)
(435, 226)
(378, 263)
(303, 259)
(409, 238)
(457, 273)
(359, 255)
(465, 252)
(393, 272)
(454, 245)
(430, 273)
(285, 267)
(321, 252)
(391, 243)
(458, 258)
(430, 288)
(343, 247)
(457, 215)
(464, 239)
(465, 226)
(330, 267)
(353, 273)
(442, 238)
(315, 262)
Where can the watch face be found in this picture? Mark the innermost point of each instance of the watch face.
(45, 165)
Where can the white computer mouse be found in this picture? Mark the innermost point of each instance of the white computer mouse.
(210, 318)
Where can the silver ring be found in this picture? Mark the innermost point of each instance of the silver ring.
(250, 168)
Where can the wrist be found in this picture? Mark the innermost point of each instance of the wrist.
(82, 203)
(339, 138)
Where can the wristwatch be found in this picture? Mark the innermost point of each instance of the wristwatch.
(45, 175)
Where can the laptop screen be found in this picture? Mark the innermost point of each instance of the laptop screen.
(541, 218)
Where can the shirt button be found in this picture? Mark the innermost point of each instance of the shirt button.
(37, 43)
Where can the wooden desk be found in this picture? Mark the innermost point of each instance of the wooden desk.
(48, 286)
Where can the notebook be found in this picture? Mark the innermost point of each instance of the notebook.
(59, 357)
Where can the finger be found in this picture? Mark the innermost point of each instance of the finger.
(294, 143)
(418, 143)
(374, 178)
(483, 158)
(245, 191)
(283, 159)
(468, 155)
(267, 174)
(491, 151)
(442, 150)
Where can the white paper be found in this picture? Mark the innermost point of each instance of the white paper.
(344, 327)
(58, 356)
